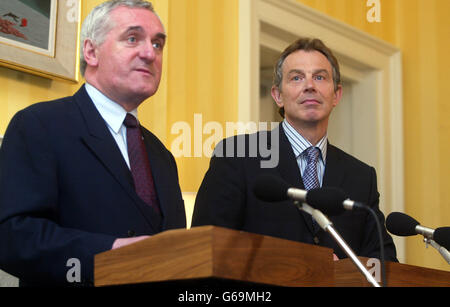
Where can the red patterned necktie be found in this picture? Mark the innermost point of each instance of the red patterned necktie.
(139, 163)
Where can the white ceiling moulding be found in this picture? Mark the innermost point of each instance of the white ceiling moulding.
(366, 61)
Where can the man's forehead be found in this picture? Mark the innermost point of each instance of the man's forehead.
(301, 59)
(127, 18)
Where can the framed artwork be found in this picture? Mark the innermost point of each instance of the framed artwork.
(41, 37)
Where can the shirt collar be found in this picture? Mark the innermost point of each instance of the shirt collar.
(300, 144)
(113, 113)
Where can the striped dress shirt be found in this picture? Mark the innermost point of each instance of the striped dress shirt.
(300, 144)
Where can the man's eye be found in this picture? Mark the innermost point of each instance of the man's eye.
(157, 45)
(320, 78)
(132, 39)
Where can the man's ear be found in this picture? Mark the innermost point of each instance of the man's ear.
(337, 95)
(276, 95)
(90, 53)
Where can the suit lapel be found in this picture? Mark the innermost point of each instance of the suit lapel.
(289, 170)
(334, 168)
(104, 147)
(159, 172)
(288, 167)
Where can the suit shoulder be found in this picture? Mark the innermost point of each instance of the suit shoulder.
(48, 108)
(52, 109)
(245, 145)
(41, 112)
(349, 159)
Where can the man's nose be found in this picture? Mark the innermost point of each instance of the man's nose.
(310, 85)
(148, 51)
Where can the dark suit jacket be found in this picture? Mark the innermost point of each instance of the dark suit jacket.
(66, 191)
(226, 197)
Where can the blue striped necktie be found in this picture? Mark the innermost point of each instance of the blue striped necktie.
(310, 178)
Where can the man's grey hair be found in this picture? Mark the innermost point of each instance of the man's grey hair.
(98, 23)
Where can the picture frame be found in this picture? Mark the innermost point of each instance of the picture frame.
(41, 37)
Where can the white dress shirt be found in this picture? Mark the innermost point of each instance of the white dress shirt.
(114, 115)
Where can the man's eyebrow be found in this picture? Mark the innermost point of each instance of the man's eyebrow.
(296, 71)
(134, 28)
(159, 35)
(319, 71)
(316, 71)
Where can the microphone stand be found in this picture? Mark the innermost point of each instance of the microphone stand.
(442, 250)
(327, 225)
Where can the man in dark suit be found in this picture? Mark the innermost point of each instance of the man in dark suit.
(306, 88)
(79, 175)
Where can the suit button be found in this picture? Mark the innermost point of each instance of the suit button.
(316, 240)
(131, 233)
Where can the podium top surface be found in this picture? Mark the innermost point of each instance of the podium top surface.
(215, 252)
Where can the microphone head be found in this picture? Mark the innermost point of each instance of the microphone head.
(401, 224)
(270, 188)
(442, 237)
(328, 200)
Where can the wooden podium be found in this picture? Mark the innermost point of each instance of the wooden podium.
(211, 253)
(397, 275)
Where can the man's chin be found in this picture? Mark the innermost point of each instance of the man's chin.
(145, 91)
(310, 116)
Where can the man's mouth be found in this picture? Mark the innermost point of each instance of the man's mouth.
(144, 71)
(310, 102)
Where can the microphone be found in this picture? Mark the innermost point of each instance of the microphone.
(330, 200)
(401, 224)
(272, 189)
